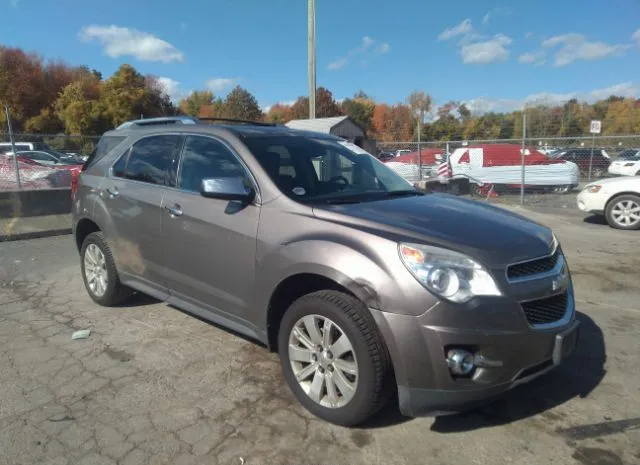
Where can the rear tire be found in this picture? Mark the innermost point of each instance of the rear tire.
(99, 272)
(315, 364)
(623, 212)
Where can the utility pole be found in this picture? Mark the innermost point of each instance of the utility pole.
(312, 59)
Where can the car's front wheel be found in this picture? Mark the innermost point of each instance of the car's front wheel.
(623, 212)
(99, 272)
(333, 357)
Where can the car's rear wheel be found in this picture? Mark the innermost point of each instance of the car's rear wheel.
(334, 359)
(99, 272)
(597, 172)
(623, 212)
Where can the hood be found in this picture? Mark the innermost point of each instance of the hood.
(493, 235)
(631, 180)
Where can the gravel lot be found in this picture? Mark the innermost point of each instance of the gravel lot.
(154, 385)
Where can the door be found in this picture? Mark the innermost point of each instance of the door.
(133, 197)
(209, 244)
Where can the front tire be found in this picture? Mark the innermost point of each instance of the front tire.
(334, 359)
(623, 212)
(99, 272)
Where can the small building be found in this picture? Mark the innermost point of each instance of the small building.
(341, 126)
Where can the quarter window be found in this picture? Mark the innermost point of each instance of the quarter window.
(149, 159)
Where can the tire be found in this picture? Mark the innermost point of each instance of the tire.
(373, 375)
(597, 173)
(616, 208)
(560, 189)
(114, 292)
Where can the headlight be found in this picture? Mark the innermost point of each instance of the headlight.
(450, 275)
(593, 188)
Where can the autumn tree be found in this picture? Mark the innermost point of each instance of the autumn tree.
(420, 104)
(326, 106)
(192, 104)
(361, 108)
(241, 104)
(278, 113)
(80, 109)
(300, 108)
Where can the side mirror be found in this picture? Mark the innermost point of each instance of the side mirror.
(227, 189)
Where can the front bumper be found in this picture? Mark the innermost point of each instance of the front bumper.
(591, 203)
(514, 353)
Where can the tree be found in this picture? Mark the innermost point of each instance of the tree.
(47, 122)
(241, 104)
(80, 109)
(361, 109)
(124, 95)
(381, 122)
(326, 106)
(192, 104)
(300, 108)
(279, 113)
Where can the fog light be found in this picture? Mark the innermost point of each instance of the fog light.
(460, 362)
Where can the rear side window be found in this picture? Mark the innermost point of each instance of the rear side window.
(204, 158)
(104, 146)
(149, 159)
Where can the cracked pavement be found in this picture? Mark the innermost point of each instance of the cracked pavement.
(153, 385)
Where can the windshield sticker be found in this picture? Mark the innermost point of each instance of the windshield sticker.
(299, 190)
(353, 148)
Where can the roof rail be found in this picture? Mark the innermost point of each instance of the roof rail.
(243, 121)
(159, 121)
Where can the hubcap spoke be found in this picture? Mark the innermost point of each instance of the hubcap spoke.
(332, 394)
(326, 333)
(95, 270)
(341, 346)
(304, 340)
(299, 354)
(306, 372)
(316, 386)
(347, 389)
(346, 366)
(311, 325)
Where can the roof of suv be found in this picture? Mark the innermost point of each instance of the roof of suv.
(240, 128)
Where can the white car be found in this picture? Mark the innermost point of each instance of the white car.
(618, 199)
(627, 165)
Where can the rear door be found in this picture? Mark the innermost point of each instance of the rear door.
(209, 244)
(133, 196)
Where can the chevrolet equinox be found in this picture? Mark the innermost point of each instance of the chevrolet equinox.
(365, 286)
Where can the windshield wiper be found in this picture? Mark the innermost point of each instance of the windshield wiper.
(341, 201)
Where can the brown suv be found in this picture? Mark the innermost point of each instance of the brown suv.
(308, 244)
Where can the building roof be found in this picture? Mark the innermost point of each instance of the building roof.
(317, 125)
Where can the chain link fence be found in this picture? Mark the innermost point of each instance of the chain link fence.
(42, 161)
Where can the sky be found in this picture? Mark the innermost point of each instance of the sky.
(494, 56)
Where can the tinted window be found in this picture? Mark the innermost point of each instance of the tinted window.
(39, 156)
(204, 158)
(149, 159)
(104, 146)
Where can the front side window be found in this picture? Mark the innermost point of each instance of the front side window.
(205, 158)
(149, 159)
(310, 169)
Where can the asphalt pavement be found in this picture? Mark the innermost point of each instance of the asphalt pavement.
(152, 384)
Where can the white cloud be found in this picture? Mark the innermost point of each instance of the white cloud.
(362, 51)
(486, 18)
(218, 85)
(482, 105)
(574, 47)
(464, 28)
(119, 41)
(171, 87)
(384, 48)
(14, 3)
(636, 36)
(533, 58)
(490, 51)
(286, 103)
(529, 35)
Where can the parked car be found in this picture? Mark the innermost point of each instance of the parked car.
(617, 199)
(402, 152)
(628, 164)
(55, 160)
(32, 175)
(363, 284)
(6, 147)
(385, 156)
(582, 157)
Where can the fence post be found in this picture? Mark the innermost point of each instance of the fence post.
(593, 146)
(524, 137)
(419, 148)
(13, 146)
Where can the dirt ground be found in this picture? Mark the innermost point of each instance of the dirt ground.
(154, 385)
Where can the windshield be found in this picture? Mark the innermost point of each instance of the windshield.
(630, 154)
(313, 170)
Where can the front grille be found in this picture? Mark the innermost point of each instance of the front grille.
(547, 310)
(537, 266)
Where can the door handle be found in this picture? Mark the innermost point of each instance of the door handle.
(112, 192)
(174, 211)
